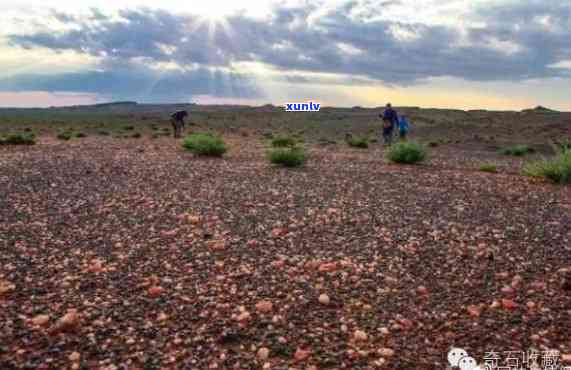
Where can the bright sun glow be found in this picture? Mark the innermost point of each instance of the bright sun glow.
(217, 10)
(214, 13)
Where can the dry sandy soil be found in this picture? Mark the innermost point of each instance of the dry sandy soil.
(134, 254)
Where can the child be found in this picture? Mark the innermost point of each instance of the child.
(404, 127)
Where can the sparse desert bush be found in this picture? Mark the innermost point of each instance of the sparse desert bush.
(157, 135)
(136, 135)
(517, 150)
(129, 128)
(358, 142)
(433, 144)
(80, 135)
(325, 141)
(557, 169)
(288, 157)
(205, 144)
(407, 152)
(563, 145)
(104, 133)
(488, 167)
(18, 139)
(283, 142)
(66, 135)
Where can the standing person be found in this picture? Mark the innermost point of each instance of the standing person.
(177, 121)
(390, 120)
(404, 127)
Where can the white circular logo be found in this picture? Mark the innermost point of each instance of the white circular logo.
(467, 363)
(454, 356)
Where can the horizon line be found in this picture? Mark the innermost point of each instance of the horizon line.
(130, 102)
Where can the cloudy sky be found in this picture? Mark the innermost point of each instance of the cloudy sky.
(494, 54)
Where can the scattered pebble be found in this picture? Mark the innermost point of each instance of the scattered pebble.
(360, 336)
(74, 357)
(263, 354)
(324, 299)
(386, 352)
(41, 320)
(264, 306)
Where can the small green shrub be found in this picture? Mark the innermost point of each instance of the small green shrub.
(358, 142)
(407, 152)
(290, 157)
(433, 144)
(517, 151)
(80, 135)
(283, 142)
(324, 142)
(18, 139)
(136, 135)
(563, 145)
(492, 168)
(66, 135)
(557, 169)
(205, 144)
(129, 128)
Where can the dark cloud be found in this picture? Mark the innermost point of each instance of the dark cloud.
(542, 30)
(139, 83)
(351, 40)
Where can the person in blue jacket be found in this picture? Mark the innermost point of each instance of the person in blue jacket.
(390, 121)
(404, 127)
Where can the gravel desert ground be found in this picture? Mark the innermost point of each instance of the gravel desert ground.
(128, 252)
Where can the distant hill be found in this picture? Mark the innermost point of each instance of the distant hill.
(105, 105)
(100, 106)
(539, 109)
(124, 107)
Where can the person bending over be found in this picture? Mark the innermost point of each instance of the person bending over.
(177, 121)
